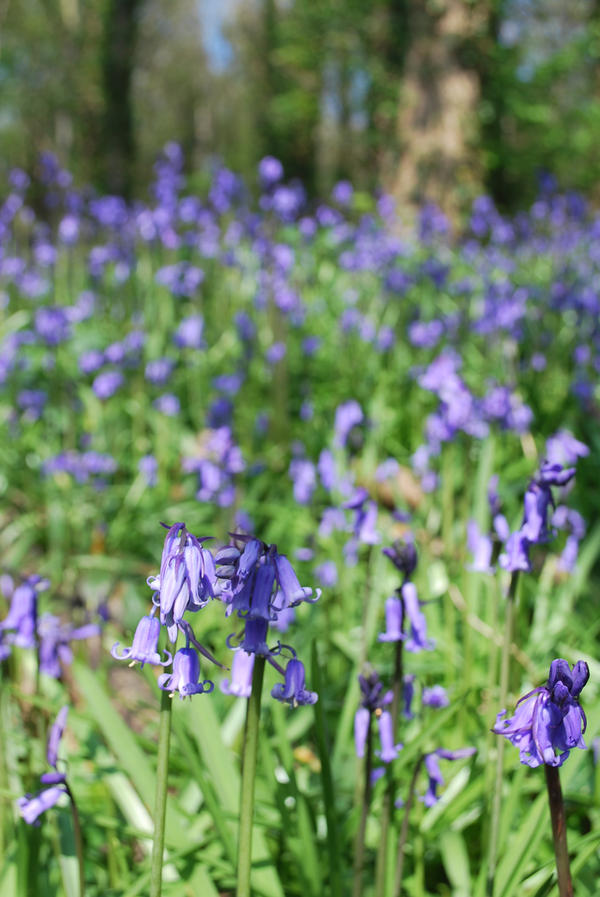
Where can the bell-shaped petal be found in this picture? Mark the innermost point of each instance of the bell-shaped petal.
(145, 643)
(240, 683)
(185, 675)
(293, 691)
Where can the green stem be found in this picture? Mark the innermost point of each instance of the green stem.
(160, 805)
(248, 777)
(359, 848)
(559, 831)
(381, 869)
(504, 675)
(404, 830)
(78, 833)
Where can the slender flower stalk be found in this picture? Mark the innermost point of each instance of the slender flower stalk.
(78, 833)
(404, 829)
(160, 803)
(559, 831)
(504, 676)
(359, 844)
(248, 778)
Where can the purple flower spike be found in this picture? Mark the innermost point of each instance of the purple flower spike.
(240, 683)
(144, 647)
(293, 691)
(56, 733)
(393, 621)
(389, 750)
(185, 675)
(548, 722)
(31, 808)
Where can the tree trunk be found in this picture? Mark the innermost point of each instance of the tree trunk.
(118, 61)
(437, 115)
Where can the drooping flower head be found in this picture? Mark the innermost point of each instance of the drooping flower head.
(548, 721)
(32, 806)
(187, 578)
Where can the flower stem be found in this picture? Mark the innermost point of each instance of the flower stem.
(160, 805)
(359, 847)
(404, 829)
(381, 870)
(78, 840)
(248, 776)
(504, 676)
(559, 831)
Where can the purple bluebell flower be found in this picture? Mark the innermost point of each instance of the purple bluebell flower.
(185, 676)
(417, 641)
(293, 691)
(31, 807)
(144, 646)
(373, 700)
(187, 579)
(548, 721)
(54, 640)
(189, 334)
(347, 416)
(107, 383)
(52, 324)
(240, 683)
(327, 574)
(275, 353)
(515, 557)
(434, 773)
(22, 616)
(168, 404)
(389, 750)
(365, 517)
(159, 370)
(362, 724)
(148, 467)
(91, 361)
(408, 693)
(394, 617)
(563, 448)
(302, 472)
(56, 733)
(435, 696)
(270, 171)
(403, 556)
(480, 547)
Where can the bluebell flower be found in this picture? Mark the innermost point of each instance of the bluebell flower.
(293, 691)
(54, 640)
(347, 416)
(107, 383)
(185, 675)
(144, 646)
(434, 773)
(435, 697)
(417, 641)
(394, 617)
(548, 722)
(187, 579)
(373, 700)
(480, 547)
(240, 683)
(32, 806)
(389, 750)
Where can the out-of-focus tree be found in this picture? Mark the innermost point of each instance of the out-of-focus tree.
(174, 95)
(118, 58)
(51, 88)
